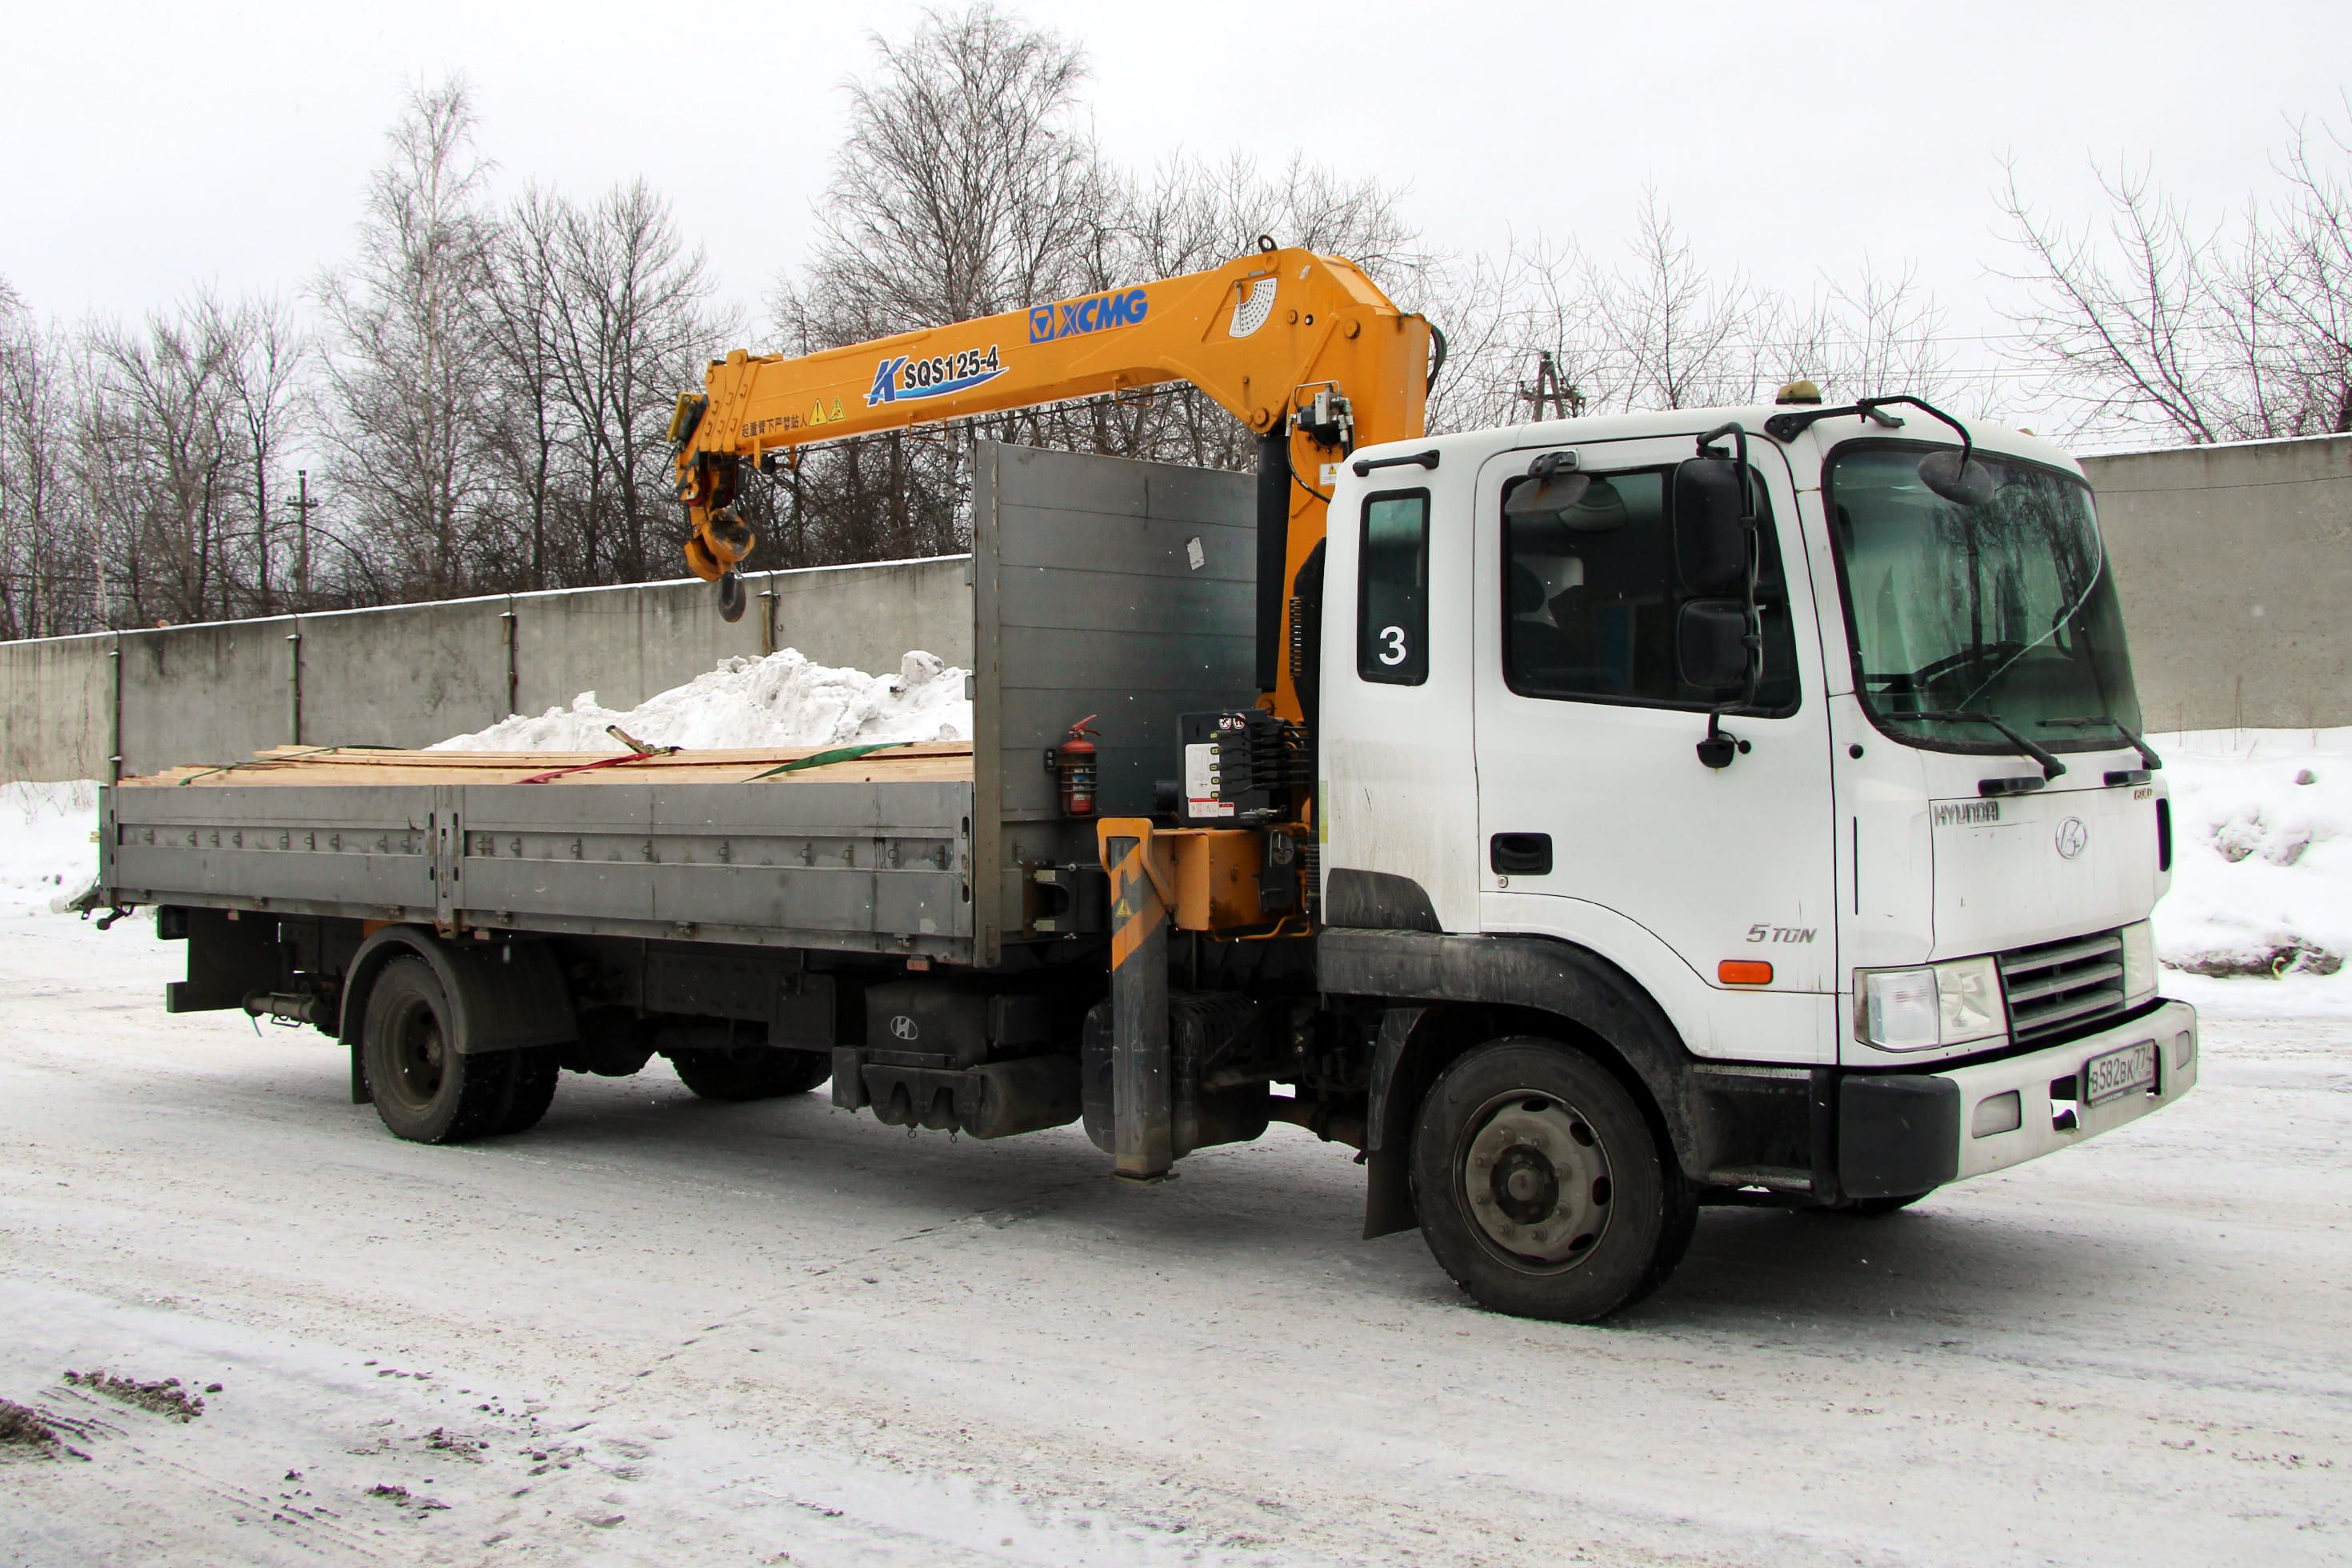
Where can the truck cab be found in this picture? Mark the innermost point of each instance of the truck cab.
(1884, 904)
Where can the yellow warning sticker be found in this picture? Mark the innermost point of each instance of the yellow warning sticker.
(817, 414)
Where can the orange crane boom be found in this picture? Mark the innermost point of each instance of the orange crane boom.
(1302, 348)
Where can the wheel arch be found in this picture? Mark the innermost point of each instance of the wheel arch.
(506, 995)
(1446, 995)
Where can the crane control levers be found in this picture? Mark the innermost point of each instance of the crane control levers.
(1301, 348)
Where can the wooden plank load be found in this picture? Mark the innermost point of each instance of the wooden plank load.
(862, 763)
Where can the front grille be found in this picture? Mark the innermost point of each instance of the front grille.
(2056, 985)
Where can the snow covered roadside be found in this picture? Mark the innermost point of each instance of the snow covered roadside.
(2259, 920)
(783, 699)
(48, 853)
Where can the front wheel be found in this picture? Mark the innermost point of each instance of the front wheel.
(1542, 1189)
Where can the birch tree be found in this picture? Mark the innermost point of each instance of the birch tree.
(412, 372)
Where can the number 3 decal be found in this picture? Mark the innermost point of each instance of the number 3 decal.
(1394, 653)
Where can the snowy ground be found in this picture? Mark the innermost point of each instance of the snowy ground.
(663, 1330)
(658, 1329)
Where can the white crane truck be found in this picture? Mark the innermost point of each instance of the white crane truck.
(1736, 806)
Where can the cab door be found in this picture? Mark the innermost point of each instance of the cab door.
(1597, 820)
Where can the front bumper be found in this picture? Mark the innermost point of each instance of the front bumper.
(1903, 1133)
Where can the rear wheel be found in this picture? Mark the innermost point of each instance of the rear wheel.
(531, 1089)
(424, 1089)
(1541, 1188)
(753, 1072)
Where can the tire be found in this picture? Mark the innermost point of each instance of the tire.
(425, 1091)
(754, 1072)
(531, 1089)
(1541, 1188)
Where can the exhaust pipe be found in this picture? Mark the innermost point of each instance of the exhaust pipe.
(301, 1009)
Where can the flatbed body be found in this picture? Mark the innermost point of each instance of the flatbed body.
(866, 853)
(1121, 590)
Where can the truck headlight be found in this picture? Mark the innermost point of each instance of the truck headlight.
(1949, 1004)
(2139, 963)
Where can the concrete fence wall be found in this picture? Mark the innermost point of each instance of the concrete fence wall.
(413, 674)
(2235, 566)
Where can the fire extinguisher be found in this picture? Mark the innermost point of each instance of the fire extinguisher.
(1074, 764)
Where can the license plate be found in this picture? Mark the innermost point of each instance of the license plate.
(2119, 1073)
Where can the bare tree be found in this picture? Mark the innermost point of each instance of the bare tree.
(2306, 277)
(162, 418)
(2237, 329)
(1868, 335)
(628, 324)
(1682, 337)
(264, 353)
(530, 437)
(966, 185)
(413, 373)
(41, 554)
(1505, 319)
(2122, 329)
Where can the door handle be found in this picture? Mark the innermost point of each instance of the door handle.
(1520, 853)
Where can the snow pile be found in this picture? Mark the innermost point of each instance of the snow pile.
(783, 699)
(48, 850)
(2261, 865)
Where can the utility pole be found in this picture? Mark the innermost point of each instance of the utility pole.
(1553, 398)
(302, 505)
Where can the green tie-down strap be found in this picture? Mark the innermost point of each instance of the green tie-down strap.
(826, 759)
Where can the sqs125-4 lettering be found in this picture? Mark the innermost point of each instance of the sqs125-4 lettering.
(902, 378)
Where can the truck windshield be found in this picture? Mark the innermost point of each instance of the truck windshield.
(2006, 608)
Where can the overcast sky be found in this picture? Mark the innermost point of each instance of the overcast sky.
(154, 147)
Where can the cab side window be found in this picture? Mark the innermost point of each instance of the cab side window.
(1392, 590)
(1590, 600)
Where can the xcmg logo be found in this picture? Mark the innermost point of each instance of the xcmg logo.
(1095, 313)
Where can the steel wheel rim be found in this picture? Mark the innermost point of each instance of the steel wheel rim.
(1536, 1178)
(419, 1056)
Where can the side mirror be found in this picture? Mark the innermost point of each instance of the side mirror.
(1711, 651)
(1710, 545)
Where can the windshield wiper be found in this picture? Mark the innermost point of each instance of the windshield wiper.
(2050, 766)
(2147, 758)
